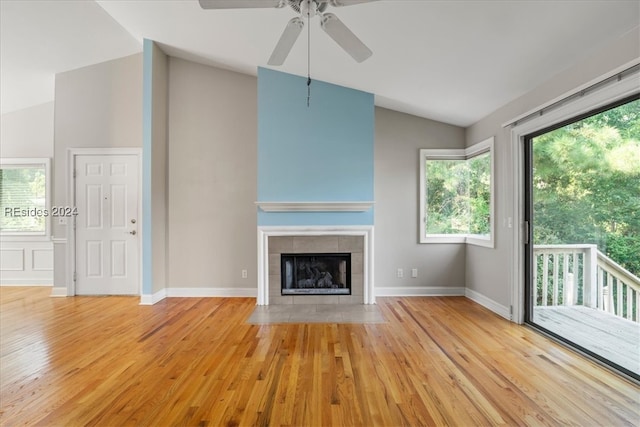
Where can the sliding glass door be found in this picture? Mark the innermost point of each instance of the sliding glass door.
(583, 255)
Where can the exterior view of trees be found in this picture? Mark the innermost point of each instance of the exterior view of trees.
(22, 192)
(458, 196)
(586, 184)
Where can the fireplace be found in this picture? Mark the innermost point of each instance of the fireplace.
(275, 241)
(316, 274)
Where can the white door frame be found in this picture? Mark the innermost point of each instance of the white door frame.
(72, 153)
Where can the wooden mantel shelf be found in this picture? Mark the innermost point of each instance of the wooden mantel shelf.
(315, 206)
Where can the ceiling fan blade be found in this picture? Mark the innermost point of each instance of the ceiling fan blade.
(338, 3)
(344, 37)
(240, 4)
(286, 42)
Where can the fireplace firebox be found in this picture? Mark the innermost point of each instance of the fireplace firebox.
(316, 274)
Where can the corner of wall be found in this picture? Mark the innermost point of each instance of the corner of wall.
(154, 168)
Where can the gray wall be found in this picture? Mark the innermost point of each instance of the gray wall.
(159, 168)
(27, 132)
(212, 222)
(213, 186)
(398, 139)
(488, 270)
(99, 106)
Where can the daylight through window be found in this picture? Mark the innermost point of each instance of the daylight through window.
(456, 195)
(23, 197)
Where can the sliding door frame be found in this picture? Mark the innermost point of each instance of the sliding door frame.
(591, 101)
(529, 221)
(528, 193)
(610, 96)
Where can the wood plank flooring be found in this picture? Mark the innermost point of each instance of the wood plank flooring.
(107, 361)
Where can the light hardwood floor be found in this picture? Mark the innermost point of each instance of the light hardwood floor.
(108, 361)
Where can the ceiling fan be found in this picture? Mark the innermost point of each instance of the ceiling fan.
(307, 10)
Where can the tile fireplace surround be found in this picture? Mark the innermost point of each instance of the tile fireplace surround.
(274, 241)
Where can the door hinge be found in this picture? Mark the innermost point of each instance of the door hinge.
(75, 173)
(75, 276)
(511, 310)
(526, 233)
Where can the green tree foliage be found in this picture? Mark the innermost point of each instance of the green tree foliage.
(459, 196)
(22, 188)
(586, 184)
(447, 196)
(480, 194)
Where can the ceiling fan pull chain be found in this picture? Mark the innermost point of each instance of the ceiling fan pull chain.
(308, 58)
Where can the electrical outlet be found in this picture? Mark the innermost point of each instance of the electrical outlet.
(400, 273)
(414, 272)
(244, 274)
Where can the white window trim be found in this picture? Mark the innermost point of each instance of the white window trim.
(25, 162)
(458, 154)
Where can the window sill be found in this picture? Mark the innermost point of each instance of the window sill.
(459, 238)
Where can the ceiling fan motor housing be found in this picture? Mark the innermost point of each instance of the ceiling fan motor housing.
(329, 22)
(312, 6)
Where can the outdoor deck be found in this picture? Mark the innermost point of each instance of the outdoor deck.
(609, 336)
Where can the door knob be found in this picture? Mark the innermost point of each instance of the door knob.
(133, 232)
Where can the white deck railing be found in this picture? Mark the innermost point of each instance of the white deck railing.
(582, 275)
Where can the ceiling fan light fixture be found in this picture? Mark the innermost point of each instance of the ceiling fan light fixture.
(308, 8)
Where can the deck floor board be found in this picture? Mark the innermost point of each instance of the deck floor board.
(609, 336)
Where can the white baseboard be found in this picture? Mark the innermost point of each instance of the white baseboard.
(59, 291)
(415, 291)
(486, 302)
(212, 292)
(146, 299)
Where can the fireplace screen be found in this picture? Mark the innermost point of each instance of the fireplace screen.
(316, 274)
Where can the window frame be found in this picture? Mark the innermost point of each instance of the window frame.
(31, 162)
(482, 147)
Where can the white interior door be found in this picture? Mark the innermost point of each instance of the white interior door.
(106, 190)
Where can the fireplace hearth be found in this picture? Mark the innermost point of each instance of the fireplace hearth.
(316, 274)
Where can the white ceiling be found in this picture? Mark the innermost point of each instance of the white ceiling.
(452, 61)
(41, 38)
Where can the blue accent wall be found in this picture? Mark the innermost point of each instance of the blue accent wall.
(319, 153)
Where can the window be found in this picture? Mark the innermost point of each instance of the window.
(24, 196)
(456, 195)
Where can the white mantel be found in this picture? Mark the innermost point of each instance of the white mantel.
(315, 206)
(265, 232)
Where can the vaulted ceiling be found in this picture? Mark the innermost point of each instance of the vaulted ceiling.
(452, 61)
